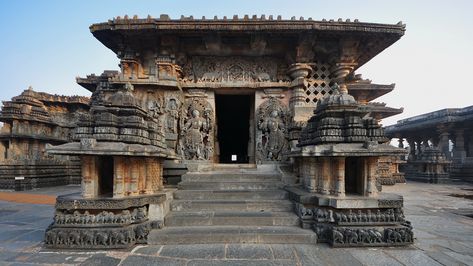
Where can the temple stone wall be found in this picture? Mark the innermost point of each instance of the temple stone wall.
(31, 121)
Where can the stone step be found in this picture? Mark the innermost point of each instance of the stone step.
(205, 185)
(230, 195)
(231, 177)
(208, 218)
(231, 234)
(232, 205)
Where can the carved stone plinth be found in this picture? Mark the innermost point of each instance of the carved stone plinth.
(353, 221)
(101, 223)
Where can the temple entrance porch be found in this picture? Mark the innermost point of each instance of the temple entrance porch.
(235, 128)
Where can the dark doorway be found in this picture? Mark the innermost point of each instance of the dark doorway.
(233, 122)
(105, 164)
(6, 146)
(352, 175)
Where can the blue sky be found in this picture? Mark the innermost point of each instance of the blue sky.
(46, 44)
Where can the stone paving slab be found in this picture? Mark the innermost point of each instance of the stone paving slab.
(443, 237)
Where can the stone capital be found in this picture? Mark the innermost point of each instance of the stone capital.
(299, 70)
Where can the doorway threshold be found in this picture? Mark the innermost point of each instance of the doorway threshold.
(234, 166)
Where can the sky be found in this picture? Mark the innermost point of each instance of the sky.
(46, 44)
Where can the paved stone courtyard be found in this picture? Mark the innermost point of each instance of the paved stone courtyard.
(441, 216)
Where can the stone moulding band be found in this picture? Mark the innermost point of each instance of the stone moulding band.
(73, 201)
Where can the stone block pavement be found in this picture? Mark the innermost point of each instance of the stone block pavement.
(441, 216)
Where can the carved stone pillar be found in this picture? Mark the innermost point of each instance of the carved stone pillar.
(325, 175)
(120, 175)
(418, 148)
(340, 172)
(459, 152)
(371, 165)
(412, 149)
(298, 72)
(444, 142)
(90, 178)
(339, 72)
(469, 144)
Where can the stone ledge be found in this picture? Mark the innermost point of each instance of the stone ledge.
(76, 201)
(383, 200)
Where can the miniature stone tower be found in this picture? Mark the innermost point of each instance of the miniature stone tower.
(337, 160)
(121, 146)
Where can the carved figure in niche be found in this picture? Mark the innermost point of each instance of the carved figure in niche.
(196, 140)
(195, 130)
(155, 108)
(272, 123)
(172, 115)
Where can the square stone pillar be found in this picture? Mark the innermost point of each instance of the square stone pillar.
(371, 172)
(459, 152)
(444, 143)
(90, 176)
(154, 175)
(339, 168)
(120, 175)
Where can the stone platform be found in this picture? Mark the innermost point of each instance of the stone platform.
(443, 237)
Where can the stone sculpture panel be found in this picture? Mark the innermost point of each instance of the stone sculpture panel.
(271, 139)
(196, 130)
(231, 69)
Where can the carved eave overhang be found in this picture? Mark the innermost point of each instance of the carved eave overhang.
(91, 81)
(430, 122)
(366, 92)
(381, 111)
(139, 34)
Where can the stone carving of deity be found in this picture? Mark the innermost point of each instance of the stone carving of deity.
(195, 130)
(172, 116)
(273, 129)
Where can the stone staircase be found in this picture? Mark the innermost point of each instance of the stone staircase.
(231, 206)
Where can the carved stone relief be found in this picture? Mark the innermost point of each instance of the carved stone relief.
(196, 136)
(271, 139)
(231, 69)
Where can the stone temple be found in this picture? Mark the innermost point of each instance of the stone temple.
(280, 138)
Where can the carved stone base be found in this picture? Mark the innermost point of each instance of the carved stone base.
(353, 221)
(360, 236)
(102, 223)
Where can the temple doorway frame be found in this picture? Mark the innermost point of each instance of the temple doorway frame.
(251, 124)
